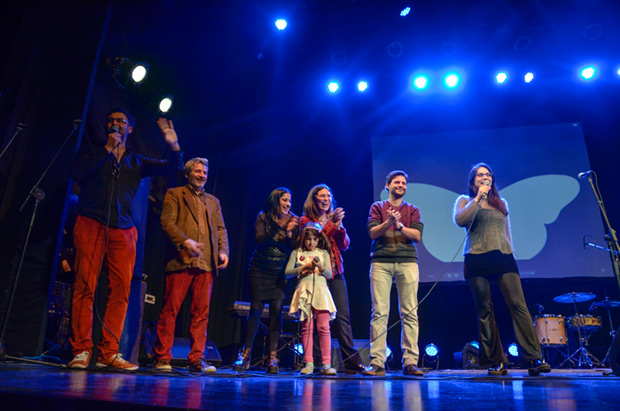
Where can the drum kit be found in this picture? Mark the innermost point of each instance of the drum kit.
(551, 328)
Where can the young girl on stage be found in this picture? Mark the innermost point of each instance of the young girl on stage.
(312, 299)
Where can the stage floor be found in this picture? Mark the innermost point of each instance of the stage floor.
(30, 386)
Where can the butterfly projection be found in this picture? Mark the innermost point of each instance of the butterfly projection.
(533, 203)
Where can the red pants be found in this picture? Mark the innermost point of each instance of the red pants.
(177, 285)
(325, 339)
(119, 255)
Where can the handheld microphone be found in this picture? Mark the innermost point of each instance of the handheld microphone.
(584, 174)
(488, 184)
(316, 260)
(113, 129)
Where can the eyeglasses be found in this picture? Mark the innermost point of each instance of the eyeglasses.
(480, 175)
(119, 120)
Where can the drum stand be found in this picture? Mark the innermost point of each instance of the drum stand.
(581, 357)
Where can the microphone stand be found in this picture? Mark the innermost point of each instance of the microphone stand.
(611, 238)
(38, 196)
(18, 130)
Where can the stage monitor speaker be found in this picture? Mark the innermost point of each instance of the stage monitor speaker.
(181, 349)
(363, 347)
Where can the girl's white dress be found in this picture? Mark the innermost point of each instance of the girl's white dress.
(312, 290)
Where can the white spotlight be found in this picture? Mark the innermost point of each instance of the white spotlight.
(165, 104)
(281, 24)
(588, 73)
(501, 77)
(528, 77)
(333, 86)
(139, 72)
(362, 86)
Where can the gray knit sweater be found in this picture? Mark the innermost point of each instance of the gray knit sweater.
(490, 229)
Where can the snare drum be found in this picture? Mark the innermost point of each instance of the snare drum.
(550, 330)
(588, 322)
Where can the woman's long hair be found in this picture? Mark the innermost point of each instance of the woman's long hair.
(310, 208)
(493, 197)
(271, 207)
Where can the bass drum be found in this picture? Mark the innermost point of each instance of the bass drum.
(550, 330)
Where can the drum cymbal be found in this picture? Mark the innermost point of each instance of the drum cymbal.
(607, 304)
(574, 297)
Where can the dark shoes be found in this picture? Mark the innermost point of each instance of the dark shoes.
(356, 369)
(499, 369)
(200, 366)
(534, 368)
(243, 360)
(272, 366)
(374, 371)
(413, 370)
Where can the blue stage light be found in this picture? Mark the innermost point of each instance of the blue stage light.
(404, 12)
(452, 80)
(333, 86)
(431, 350)
(513, 350)
(475, 344)
(362, 86)
(501, 77)
(421, 81)
(588, 73)
(528, 77)
(299, 349)
(281, 24)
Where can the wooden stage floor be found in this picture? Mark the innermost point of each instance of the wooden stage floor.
(26, 386)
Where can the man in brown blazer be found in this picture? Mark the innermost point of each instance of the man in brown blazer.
(194, 223)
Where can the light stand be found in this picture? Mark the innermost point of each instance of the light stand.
(38, 196)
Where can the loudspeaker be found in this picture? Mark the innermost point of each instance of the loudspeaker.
(614, 354)
(181, 349)
(362, 346)
(469, 358)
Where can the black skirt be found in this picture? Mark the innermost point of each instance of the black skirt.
(266, 273)
(489, 264)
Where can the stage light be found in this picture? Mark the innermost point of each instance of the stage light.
(451, 80)
(513, 350)
(139, 72)
(281, 24)
(333, 86)
(501, 77)
(298, 349)
(469, 357)
(431, 356)
(126, 71)
(431, 350)
(165, 104)
(362, 86)
(404, 12)
(618, 72)
(528, 77)
(421, 82)
(588, 73)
